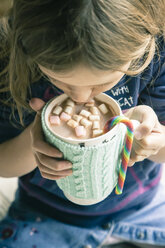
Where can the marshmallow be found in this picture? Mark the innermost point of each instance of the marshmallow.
(68, 110)
(97, 132)
(80, 131)
(72, 123)
(94, 117)
(57, 110)
(70, 103)
(96, 125)
(85, 113)
(77, 117)
(54, 120)
(90, 103)
(94, 110)
(85, 122)
(65, 117)
(103, 108)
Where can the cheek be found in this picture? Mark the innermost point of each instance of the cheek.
(98, 90)
(110, 86)
(60, 86)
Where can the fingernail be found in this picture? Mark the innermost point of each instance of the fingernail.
(69, 165)
(60, 155)
(60, 178)
(138, 135)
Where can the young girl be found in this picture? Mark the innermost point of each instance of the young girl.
(82, 48)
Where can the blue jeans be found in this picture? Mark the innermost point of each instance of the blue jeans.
(28, 229)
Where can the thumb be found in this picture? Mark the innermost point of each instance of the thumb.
(142, 130)
(36, 104)
(147, 125)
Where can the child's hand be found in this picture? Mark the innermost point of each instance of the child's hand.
(149, 137)
(48, 158)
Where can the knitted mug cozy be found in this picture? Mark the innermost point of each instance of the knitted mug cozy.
(97, 169)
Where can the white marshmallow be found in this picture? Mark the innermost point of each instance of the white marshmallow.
(68, 110)
(103, 108)
(69, 102)
(77, 117)
(80, 131)
(57, 110)
(90, 103)
(94, 117)
(65, 117)
(85, 113)
(97, 132)
(96, 125)
(94, 110)
(72, 123)
(85, 122)
(54, 120)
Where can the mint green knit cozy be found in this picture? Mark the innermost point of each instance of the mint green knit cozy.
(95, 168)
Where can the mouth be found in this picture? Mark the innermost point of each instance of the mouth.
(76, 99)
(81, 102)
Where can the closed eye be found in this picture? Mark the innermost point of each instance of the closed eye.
(92, 86)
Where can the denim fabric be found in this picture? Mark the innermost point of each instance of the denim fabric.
(25, 227)
(146, 225)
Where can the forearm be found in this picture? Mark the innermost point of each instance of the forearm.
(16, 156)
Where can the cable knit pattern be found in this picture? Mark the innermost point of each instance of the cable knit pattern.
(95, 168)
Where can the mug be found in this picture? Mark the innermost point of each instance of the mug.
(96, 161)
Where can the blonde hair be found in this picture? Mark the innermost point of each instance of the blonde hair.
(105, 34)
(4, 6)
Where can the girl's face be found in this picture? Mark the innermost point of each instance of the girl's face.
(82, 83)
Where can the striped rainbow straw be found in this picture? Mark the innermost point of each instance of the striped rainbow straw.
(126, 150)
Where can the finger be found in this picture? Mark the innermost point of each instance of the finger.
(130, 163)
(145, 153)
(54, 164)
(151, 142)
(143, 150)
(52, 177)
(137, 158)
(141, 155)
(36, 104)
(44, 169)
(46, 149)
(148, 120)
(38, 142)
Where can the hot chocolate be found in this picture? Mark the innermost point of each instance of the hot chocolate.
(79, 121)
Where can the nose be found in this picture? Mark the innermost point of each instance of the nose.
(80, 95)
